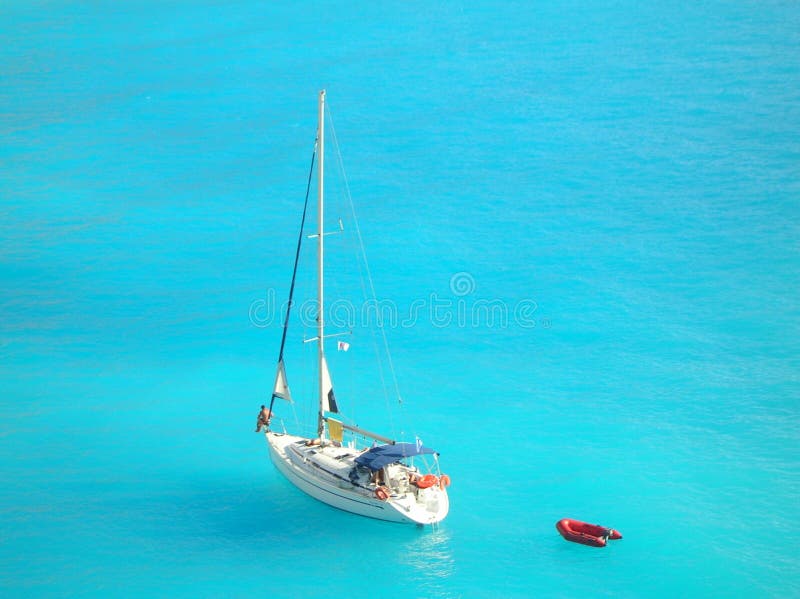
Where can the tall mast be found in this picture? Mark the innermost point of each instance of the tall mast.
(320, 270)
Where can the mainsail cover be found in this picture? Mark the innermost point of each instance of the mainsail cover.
(328, 398)
(281, 388)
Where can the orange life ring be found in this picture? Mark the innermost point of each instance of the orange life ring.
(382, 493)
(444, 481)
(427, 481)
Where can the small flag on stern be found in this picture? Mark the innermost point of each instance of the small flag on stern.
(342, 346)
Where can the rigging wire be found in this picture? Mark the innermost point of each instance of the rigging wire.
(358, 252)
(294, 270)
(366, 268)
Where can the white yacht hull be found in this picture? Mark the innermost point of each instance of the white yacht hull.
(424, 506)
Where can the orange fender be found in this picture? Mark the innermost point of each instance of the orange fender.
(427, 481)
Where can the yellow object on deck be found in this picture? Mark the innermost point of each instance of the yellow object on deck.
(335, 430)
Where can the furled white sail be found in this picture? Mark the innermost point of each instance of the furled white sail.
(281, 388)
(328, 398)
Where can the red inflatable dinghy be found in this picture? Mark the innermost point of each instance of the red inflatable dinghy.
(586, 534)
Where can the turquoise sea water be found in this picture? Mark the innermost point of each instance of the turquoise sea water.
(628, 171)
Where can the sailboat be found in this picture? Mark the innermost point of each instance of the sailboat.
(343, 465)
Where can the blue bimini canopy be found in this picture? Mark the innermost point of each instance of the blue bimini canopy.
(377, 457)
